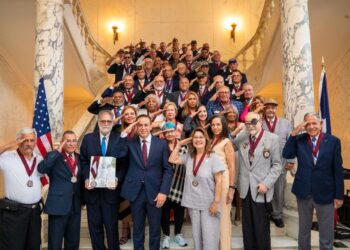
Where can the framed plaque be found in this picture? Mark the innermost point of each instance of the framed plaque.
(102, 172)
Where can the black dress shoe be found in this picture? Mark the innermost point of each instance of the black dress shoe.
(278, 222)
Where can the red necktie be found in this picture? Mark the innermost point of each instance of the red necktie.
(71, 162)
(144, 151)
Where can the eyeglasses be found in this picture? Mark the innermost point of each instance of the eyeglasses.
(72, 141)
(253, 122)
(127, 57)
(105, 121)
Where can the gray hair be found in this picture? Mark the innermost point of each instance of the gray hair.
(314, 114)
(25, 131)
(152, 96)
(109, 112)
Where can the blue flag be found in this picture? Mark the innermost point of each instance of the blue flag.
(324, 104)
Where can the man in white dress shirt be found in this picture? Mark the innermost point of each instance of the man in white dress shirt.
(20, 221)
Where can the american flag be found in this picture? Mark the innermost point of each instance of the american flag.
(41, 123)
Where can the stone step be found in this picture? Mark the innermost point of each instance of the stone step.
(278, 242)
(187, 231)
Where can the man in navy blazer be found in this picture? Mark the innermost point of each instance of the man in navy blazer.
(102, 203)
(319, 180)
(63, 204)
(147, 182)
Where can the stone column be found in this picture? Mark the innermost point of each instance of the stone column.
(297, 62)
(49, 59)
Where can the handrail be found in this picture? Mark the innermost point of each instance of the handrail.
(257, 38)
(84, 27)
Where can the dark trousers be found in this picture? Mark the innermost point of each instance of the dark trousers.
(255, 225)
(21, 229)
(179, 213)
(102, 217)
(67, 227)
(140, 209)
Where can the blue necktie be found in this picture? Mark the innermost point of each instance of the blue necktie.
(118, 114)
(313, 140)
(104, 146)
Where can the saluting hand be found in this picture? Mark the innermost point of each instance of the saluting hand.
(117, 119)
(129, 129)
(60, 147)
(298, 128)
(185, 141)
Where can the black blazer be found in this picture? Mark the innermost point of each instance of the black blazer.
(162, 56)
(214, 70)
(90, 146)
(118, 70)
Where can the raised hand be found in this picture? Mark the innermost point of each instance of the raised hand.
(117, 84)
(159, 111)
(214, 97)
(182, 103)
(117, 119)
(130, 128)
(298, 128)
(60, 147)
(148, 86)
(195, 113)
(185, 141)
(106, 100)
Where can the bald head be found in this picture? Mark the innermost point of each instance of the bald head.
(253, 123)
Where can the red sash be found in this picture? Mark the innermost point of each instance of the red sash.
(129, 96)
(318, 144)
(195, 167)
(254, 144)
(28, 169)
(97, 161)
(268, 124)
(72, 164)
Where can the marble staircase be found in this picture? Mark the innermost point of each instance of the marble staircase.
(279, 238)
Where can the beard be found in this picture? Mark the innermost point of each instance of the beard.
(159, 88)
(105, 130)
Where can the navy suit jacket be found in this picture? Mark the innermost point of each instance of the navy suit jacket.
(156, 176)
(91, 146)
(62, 192)
(323, 181)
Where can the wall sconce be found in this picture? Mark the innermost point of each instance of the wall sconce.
(233, 31)
(115, 34)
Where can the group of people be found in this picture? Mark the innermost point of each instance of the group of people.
(188, 134)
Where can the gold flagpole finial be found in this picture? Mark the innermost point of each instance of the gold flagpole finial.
(322, 62)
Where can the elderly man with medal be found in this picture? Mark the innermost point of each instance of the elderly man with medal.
(20, 209)
(319, 180)
(259, 168)
(101, 155)
(63, 204)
